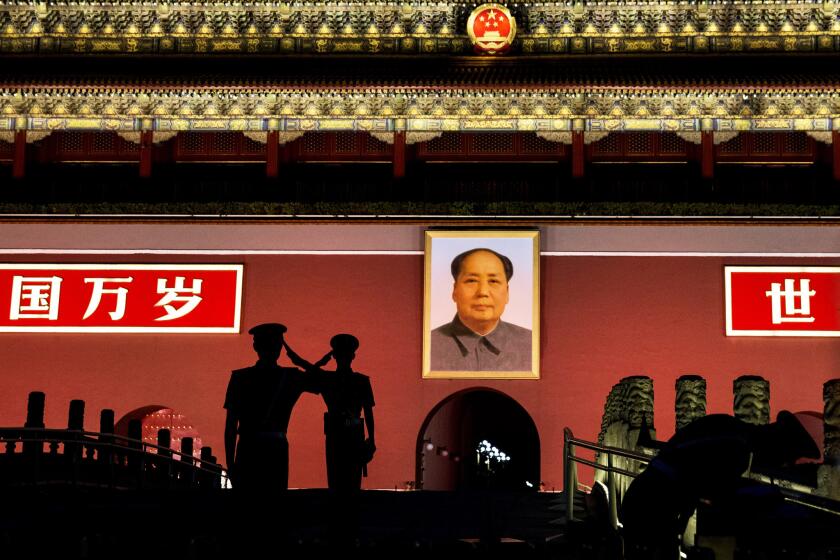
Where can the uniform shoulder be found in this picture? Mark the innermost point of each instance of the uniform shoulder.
(241, 371)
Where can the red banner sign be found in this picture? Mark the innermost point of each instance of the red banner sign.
(782, 301)
(138, 298)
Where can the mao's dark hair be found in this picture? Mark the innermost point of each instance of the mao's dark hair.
(458, 261)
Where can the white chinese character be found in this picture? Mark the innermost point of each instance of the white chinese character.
(99, 290)
(172, 295)
(35, 298)
(790, 295)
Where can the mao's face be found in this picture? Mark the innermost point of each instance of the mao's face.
(481, 291)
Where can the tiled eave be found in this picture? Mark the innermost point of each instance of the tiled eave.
(422, 28)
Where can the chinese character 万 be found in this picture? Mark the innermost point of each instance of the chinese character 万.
(99, 290)
(791, 296)
(173, 294)
(35, 298)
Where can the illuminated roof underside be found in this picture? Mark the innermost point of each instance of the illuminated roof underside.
(415, 27)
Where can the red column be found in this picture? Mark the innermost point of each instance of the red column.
(578, 153)
(19, 157)
(707, 154)
(399, 154)
(272, 153)
(835, 152)
(146, 143)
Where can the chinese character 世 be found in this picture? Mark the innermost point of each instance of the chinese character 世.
(99, 290)
(791, 295)
(174, 294)
(35, 298)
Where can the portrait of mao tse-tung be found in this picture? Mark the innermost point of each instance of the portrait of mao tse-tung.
(481, 304)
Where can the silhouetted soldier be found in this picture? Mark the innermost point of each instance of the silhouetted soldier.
(705, 460)
(259, 403)
(347, 395)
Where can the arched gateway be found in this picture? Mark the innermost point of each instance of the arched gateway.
(478, 438)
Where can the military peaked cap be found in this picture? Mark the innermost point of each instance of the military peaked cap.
(344, 343)
(268, 330)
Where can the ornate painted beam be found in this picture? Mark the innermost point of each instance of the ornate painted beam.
(550, 112)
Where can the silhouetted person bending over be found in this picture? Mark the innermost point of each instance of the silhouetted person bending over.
(259, 403)
(347, 395)
(705, 460)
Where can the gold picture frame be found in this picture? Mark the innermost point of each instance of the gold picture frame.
(451, 349)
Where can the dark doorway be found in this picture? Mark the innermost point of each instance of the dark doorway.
(478, 438)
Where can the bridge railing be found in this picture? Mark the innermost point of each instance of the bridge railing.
(77, 457)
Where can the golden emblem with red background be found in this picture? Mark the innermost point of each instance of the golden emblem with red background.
(491, 28)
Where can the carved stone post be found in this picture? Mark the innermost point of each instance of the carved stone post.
(164, 465)
(639, 401)
(831, 416)
(629, 407)
(135, 456)
(106, 430)
(164, 440)
(691, 399)
(752, 399)
(828, 476)
(34, 419)
(75, 421)
(187, 450)
(35, 410)
(76, 415)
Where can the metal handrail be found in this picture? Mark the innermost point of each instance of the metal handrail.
(570, 472)
(793, 492)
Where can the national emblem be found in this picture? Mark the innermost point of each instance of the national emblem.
(491, 28)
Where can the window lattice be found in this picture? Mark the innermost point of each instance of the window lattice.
(639, 143)
(376, 146)
(672, 144)
(493, 143)
(224, 143)
(797, 143)
(192, 143)
(764, 143)
(6, 150)
(607, 145)
(314, 143)
(346, 143)
(71, 142)
(733, 146)
(447, 143)
(252, 147)
(123, 146)
(533, 144)
(103, 143)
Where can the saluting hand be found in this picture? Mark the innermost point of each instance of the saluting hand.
(323, 361)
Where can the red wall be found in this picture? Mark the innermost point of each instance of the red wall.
(602, 318)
